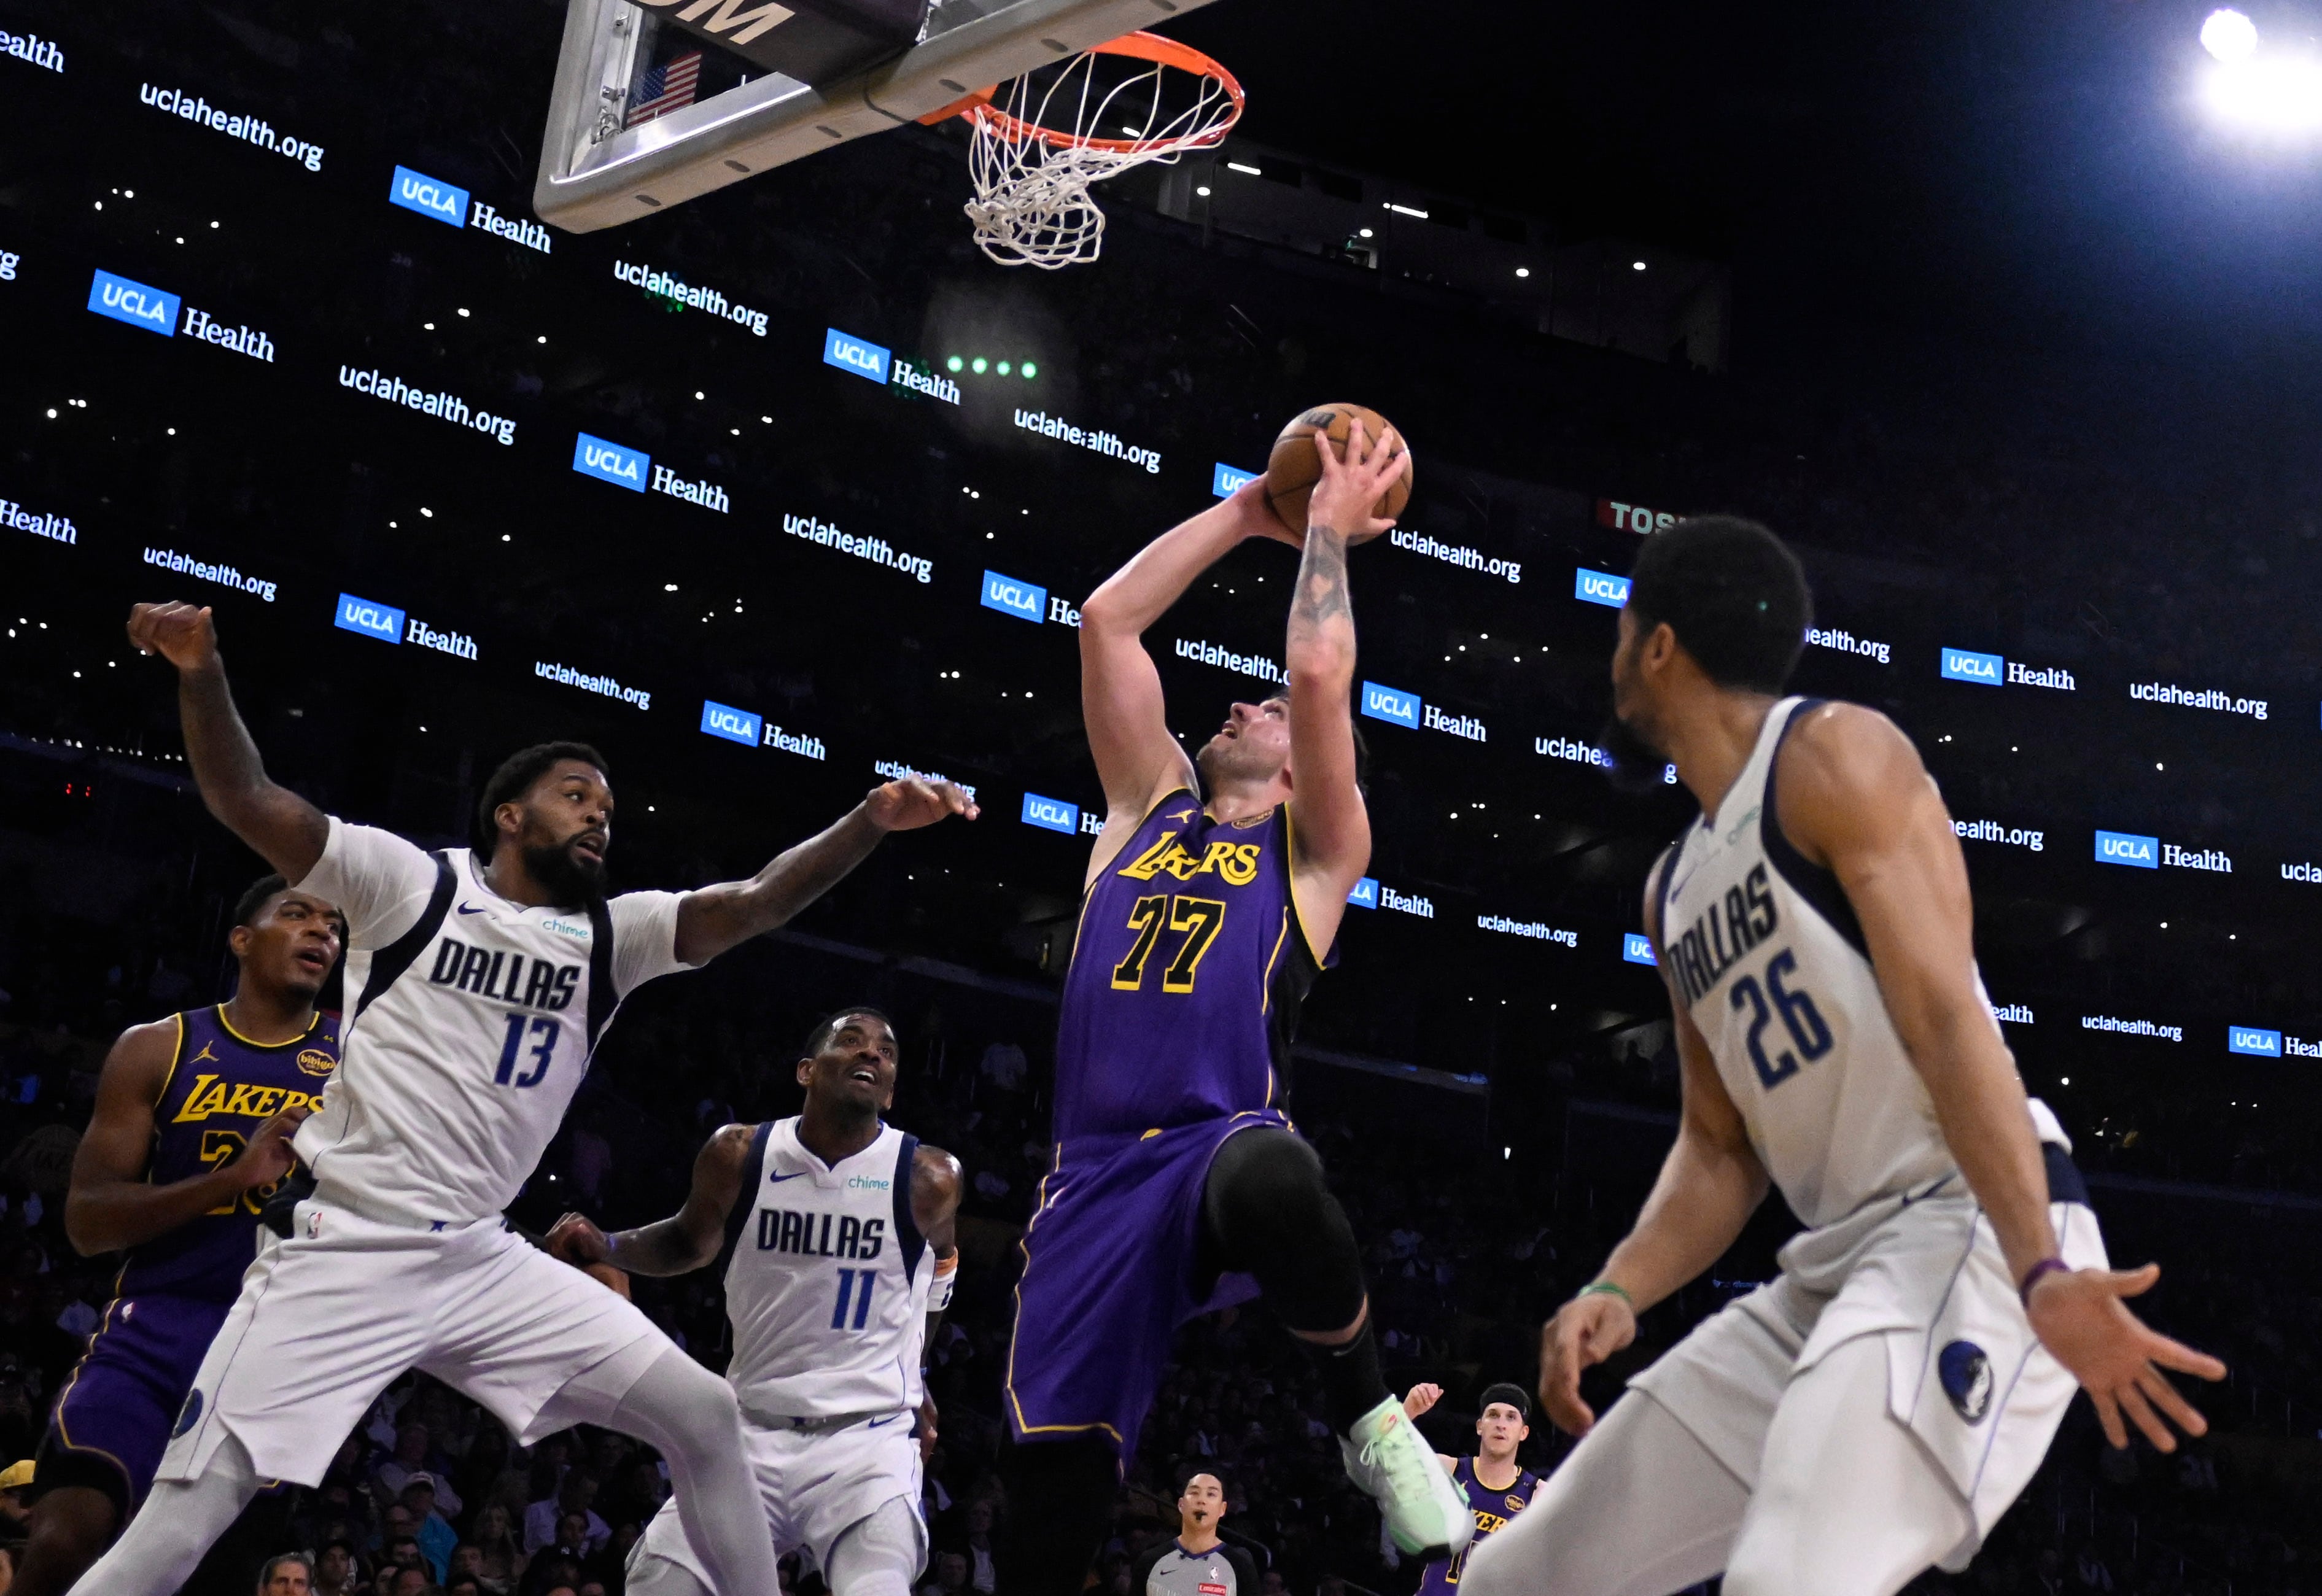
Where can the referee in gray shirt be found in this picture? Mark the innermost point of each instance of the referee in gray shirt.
(1197, 1563)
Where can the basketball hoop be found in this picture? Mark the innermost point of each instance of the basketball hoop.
(1036, 149)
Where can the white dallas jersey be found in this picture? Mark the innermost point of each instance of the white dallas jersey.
(468, 1026)
(1770, 959)
(828, 1282)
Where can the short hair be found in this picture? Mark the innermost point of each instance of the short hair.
(255, 896)
(1733, 592)
(1192, 1471)
(827, 1027)
(266, 1575)
(515, 777)
(1513, 1395)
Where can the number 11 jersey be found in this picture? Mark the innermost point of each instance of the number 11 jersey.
(1764, 950)
(1187, 975)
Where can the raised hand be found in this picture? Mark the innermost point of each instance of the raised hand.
(911, 803)
(2080, 1318)
(1585, 1332)
(1420, 1397)
(181, 634)
(1351, 488)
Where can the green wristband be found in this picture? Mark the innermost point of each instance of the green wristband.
(1605, 1288)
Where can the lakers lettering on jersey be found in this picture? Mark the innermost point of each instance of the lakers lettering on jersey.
(471, 1022)
(1765, 953)
(826, 1279)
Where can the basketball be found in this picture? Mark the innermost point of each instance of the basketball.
(1293, 469)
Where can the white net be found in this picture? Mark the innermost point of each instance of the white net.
(1038, 145)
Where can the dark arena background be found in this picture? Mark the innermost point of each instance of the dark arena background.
(788, 490)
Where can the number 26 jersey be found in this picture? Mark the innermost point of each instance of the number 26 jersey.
(1765, 953)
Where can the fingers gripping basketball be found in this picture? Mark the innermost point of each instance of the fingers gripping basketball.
(1293, 467)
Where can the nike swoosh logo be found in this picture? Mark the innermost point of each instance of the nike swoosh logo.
(467, 909)
(793, 1175)
(875, 1423)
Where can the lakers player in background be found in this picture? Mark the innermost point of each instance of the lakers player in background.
(190, 1133)
(1874, 1408)
(1212, 899)
(837, 1231)
(478, 980)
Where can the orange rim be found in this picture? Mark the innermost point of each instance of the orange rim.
(1140, 46)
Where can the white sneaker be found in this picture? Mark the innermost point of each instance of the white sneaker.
(1389, 1458)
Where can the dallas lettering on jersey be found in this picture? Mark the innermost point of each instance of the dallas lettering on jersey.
(782, 1230)
(545, 985)
(1724, 935)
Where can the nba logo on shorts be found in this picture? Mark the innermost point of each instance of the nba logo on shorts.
(1966, 1374)
(189, 1414)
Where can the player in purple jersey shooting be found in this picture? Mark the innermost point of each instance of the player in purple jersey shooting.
(191, 1132)
(1177, 1186)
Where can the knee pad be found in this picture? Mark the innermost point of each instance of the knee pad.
(1267, 1212)
(879, 1555)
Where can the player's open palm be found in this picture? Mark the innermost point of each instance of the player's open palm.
(181, 634)
(267, 1157)
(2080, 1318)
(1585, 1332)
(911, 803)
(1352, 487)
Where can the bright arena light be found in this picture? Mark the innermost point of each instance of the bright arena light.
(2276, 94)
(2229, 36)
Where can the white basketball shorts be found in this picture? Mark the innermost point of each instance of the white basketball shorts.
(330, 1316)
(816, 1487)
(1965, 1374)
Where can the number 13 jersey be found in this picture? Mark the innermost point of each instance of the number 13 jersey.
(1187, 975)
(1765, 953)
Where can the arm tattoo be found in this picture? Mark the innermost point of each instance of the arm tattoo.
(1321, 583)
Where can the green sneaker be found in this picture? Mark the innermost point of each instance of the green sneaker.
(1389, 1458)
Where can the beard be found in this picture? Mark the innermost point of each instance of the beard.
(572, 878)
(1635, 765)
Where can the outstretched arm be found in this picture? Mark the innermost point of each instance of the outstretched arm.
(1137, 759)
(711, 919)
(1331, 827)
(281, 828)
(110, 1204)
(1710, 1183)
(681, 1244)
(1855, 798)
(935, 1210)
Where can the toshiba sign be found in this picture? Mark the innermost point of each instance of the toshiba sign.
(1636, 518)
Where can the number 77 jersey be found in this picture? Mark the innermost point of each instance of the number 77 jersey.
(1188, 973)
(1765, 952)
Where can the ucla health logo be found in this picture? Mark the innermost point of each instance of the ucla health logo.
(373, 619)
(125, 299)
(1385, 703)
(1027, 601)
(1051, 814)
(1365, 893)
(1225, 479)
(2251, 1040)
(430, 197)
(736, 726)
(607, 461)
(858, 355)
(2123, 847)
(1637, 948)
(1599, 587)
(1987, 670)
